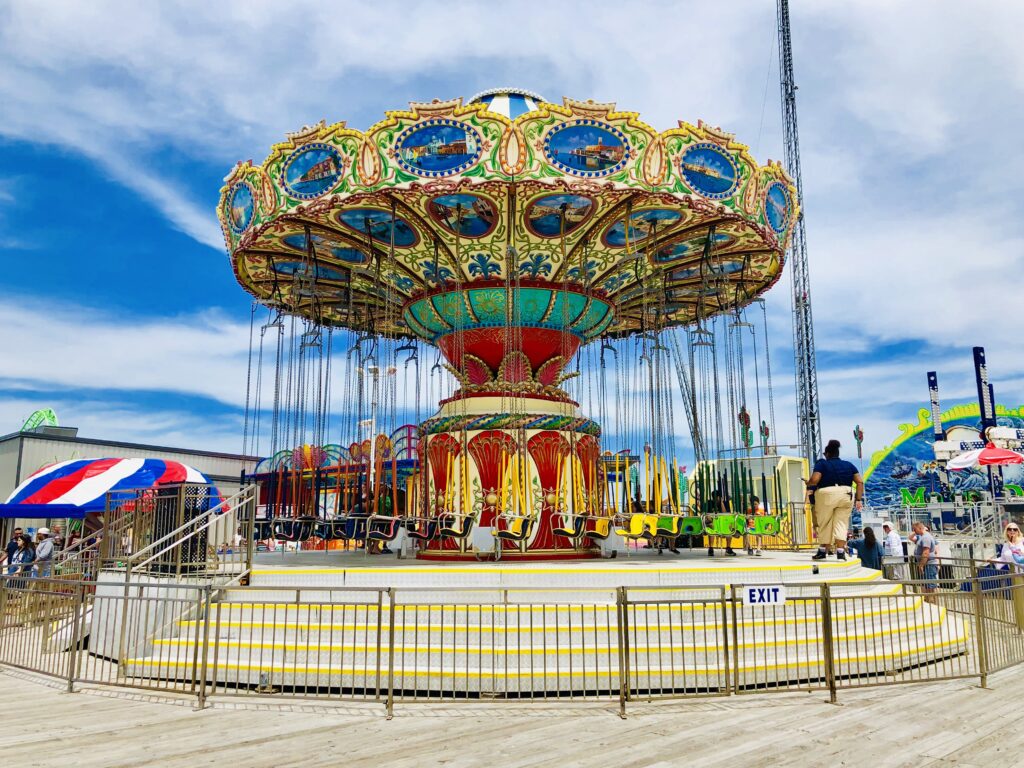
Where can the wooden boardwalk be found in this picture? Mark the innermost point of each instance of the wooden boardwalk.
(939, 724)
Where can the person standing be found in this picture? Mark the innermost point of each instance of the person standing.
(926, 559)
(12, 547)
(892, 549)
(44, 553)
(836, 486)
(1011, 552)
(22, 561)
(869, 550)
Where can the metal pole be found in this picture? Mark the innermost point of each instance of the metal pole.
(826, 639)
(207, 600)
(980, 629)
(391, 654)
(76, 636)
(735, 642)
(622, 635)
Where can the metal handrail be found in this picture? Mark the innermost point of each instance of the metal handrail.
(175, 536)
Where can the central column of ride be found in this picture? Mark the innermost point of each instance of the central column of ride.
(510, 465)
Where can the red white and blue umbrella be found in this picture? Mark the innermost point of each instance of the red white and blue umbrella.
(75, 488)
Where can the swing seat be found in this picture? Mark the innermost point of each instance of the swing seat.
(765, 525)
(294, 530)
(325, 530)
(456, 526)
(421, 529)
(575, 528)
(383, 528)
(263, 530)
(635, 527)
(668, 525)
(691, 526)
(599, 528)
(517, 529)
(651, 526)
(723, 525)
(350, 528)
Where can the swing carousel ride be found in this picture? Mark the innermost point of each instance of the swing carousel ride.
(531, 267)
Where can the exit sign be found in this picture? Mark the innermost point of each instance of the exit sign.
(766, 595)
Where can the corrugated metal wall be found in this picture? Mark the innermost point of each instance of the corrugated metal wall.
(38, 451)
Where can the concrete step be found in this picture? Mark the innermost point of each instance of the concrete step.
(548, 672)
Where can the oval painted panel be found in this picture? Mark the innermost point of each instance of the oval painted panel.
(312, 170)
(642, 225)
(378, 224)
(545, 215)
(463, 214)
(709, 170)
(302, 268)
(586, 148)
(727, 266)
(240, 207)
(438, 148)
(776, 206)
(326, 245)
(694, 246)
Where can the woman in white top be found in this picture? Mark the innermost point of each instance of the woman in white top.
(1011, 551)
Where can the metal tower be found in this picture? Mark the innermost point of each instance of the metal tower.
(803, 326)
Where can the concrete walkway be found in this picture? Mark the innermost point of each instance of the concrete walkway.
(941, 724)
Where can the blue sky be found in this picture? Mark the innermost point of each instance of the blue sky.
(120, 121)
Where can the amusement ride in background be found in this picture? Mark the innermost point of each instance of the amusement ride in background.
(574, 288)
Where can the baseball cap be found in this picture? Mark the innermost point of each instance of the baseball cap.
(44, 531)
(886, 524)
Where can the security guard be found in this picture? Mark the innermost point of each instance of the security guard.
(835, 486)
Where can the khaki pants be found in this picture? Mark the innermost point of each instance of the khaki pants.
(832, 507)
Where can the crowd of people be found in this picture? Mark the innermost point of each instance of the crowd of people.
(27, 557)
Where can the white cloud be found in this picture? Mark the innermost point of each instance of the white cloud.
(78, 347)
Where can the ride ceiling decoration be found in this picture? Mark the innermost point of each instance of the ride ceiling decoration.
(372, 229)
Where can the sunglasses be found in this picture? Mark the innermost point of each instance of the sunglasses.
(1015, 530)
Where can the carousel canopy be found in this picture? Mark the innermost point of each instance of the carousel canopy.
(78, 487)
(579, 216)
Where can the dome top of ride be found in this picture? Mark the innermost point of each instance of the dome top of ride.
(376, 230)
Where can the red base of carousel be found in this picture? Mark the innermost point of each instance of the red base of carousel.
(454, 556)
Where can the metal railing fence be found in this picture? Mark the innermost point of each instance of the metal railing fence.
(623, 645)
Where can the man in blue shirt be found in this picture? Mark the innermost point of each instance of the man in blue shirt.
(835, 486)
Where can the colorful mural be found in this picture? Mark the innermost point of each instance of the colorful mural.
(586, 148)
(240, 207)
(776, 206)
(905, 472)
(312, 171)
(464, 215)
(438, 148)
(709, 170)
(557, 215)
(378, 225)
(301, 268)
(325, 245)
(642, 224)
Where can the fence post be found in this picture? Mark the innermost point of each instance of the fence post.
(622, 637)
(735, 640)
(391, 654)
(826, 640)
(204, 646)
(979, 626)
(77, 623)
